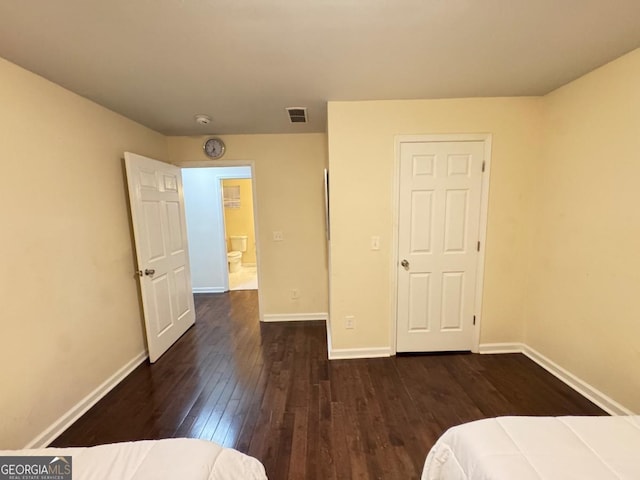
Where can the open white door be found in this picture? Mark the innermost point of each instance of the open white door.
(160, 231)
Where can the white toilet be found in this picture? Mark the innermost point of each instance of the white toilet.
(238, 246)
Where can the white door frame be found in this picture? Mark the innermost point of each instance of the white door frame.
(482, 234)
(251, 165)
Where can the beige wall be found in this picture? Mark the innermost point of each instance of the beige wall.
(560, 270)
(70, 311)
(361, 164)
(289, 189)
(239, 221)
(583, 298)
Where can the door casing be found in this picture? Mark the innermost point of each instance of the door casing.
(486, 138)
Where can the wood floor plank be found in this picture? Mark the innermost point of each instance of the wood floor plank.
(267, 389)
(297, 465)
(312, 460)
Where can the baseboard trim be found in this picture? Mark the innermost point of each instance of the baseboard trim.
(352, 353)
(501, 348)
(294, 317)
(66, 420)
(208, 290)
(605, 402)
(588, 391)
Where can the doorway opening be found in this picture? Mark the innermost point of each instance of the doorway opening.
(221, 216)
(239, 227)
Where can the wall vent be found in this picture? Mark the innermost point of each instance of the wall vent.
(297, 114)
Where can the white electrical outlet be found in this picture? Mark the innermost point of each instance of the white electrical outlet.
(349, 322)
(277, 236)
(295, 294)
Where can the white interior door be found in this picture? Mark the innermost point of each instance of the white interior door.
(439, 218)
(159, 227)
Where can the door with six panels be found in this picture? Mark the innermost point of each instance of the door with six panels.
(160, 233)
(439, 224)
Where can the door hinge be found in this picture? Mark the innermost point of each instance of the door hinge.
(483, 164)
(478, 245)
(474, 319)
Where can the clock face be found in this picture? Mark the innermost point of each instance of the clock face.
(214, 148)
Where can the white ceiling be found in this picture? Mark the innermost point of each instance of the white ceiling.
(160, 62)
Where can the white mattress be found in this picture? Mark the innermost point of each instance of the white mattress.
(180, 458)
(527, 448)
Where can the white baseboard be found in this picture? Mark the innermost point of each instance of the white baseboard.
(208, 290)
(294, 317)
(501, 348)
(588, 391)
(351, 353)
(605, 402)
(66, 420)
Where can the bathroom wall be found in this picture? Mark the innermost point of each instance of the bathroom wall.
(239, 221)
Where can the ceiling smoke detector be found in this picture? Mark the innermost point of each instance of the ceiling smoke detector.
(297, 114)
(203, 119)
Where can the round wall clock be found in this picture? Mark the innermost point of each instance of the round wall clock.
(214, 148)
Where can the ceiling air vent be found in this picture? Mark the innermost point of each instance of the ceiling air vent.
(297, 114)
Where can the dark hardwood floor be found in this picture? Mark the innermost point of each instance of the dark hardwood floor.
(268, 390)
